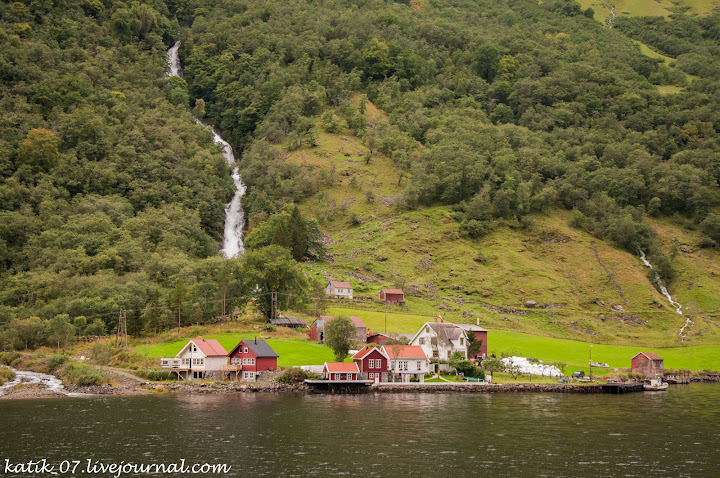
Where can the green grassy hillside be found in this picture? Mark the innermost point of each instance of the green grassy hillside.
(648, 8)
(584, 288)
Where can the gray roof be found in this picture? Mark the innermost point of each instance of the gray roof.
(261, 348)
(472, 327)
(289, 322)
(446, 332)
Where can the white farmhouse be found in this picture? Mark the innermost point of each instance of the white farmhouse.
(198, 359)
(407, 362)
(440, 340)
(339, 290)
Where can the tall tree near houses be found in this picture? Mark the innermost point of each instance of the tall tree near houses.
(298, 234)
(339, 334)
(178, 297)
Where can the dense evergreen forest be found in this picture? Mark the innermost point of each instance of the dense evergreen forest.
(111, 197)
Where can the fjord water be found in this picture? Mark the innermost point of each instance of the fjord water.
(676, 433)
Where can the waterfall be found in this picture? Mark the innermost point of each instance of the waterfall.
(664, 291)
(234, 214)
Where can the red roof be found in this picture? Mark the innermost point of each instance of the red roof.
(365, 351)
(393, 291)
(341, 285)
(342, 367)
(210, 347)
(404, 351)
(355, 320)
(650, 355)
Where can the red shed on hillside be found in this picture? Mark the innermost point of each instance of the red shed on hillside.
(648, 363)
(372, 363)
(392, 296)
(250, 358)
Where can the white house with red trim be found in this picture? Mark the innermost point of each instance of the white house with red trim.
(340, 371)
(198, 359)
(407, 363)
(339, 290)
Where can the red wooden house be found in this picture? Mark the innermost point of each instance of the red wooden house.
(372, 362)
(647, 363)
(392, 296)
(250, 358)
(377, 338)
(340, 371)
(480, 334)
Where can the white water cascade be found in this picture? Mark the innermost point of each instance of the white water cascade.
(50, 382)
(234, 214)
(664, 291)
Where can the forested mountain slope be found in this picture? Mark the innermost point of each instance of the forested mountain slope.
(482, 127)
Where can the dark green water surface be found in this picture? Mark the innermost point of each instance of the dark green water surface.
(676, 433)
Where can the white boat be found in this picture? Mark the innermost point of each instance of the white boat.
(655, 385)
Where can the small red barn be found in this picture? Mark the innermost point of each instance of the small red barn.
(480, 334)
(372, 363)
(340, 371)
(648, 363)
(392, 296)
(377, 338)
(250, 358)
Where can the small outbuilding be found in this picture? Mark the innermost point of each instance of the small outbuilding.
(340, 371)
(649, 364)
(317, 328)
(479, 334)
(392, 297)
(339, 290)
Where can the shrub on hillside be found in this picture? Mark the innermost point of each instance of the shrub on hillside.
(55, 361)
(293, 375)
(81, 374)
(10, 358)
(6, 375)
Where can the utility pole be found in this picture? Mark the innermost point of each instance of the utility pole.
(386, 318)
(273, 304)
(121, 334)
(591, 363)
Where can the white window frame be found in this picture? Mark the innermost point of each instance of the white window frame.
(245, 349)
(419, 365)
(235, 361)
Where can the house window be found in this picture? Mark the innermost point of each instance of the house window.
(245, 349)
(194, 348)
(336, 376)
(371, 376)
(402, 365)
(185, 361)
(235, 361)
(419, 365)
(462, 341)
(198, 361)
(422, 340)
(248, 361)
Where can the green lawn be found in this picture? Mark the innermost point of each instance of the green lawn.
(576, 353)
(292, 351)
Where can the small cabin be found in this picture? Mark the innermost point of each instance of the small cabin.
(649, 364)
(377, 338)
(339, 290)
(317, 328)
(372, 362)
(392, 297)
(249, 359)
(340, 371)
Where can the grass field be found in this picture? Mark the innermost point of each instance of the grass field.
(646, 8)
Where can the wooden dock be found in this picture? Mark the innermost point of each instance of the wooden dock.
(347, 386)
(618, 388)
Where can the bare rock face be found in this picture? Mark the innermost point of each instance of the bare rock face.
(530, 304)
